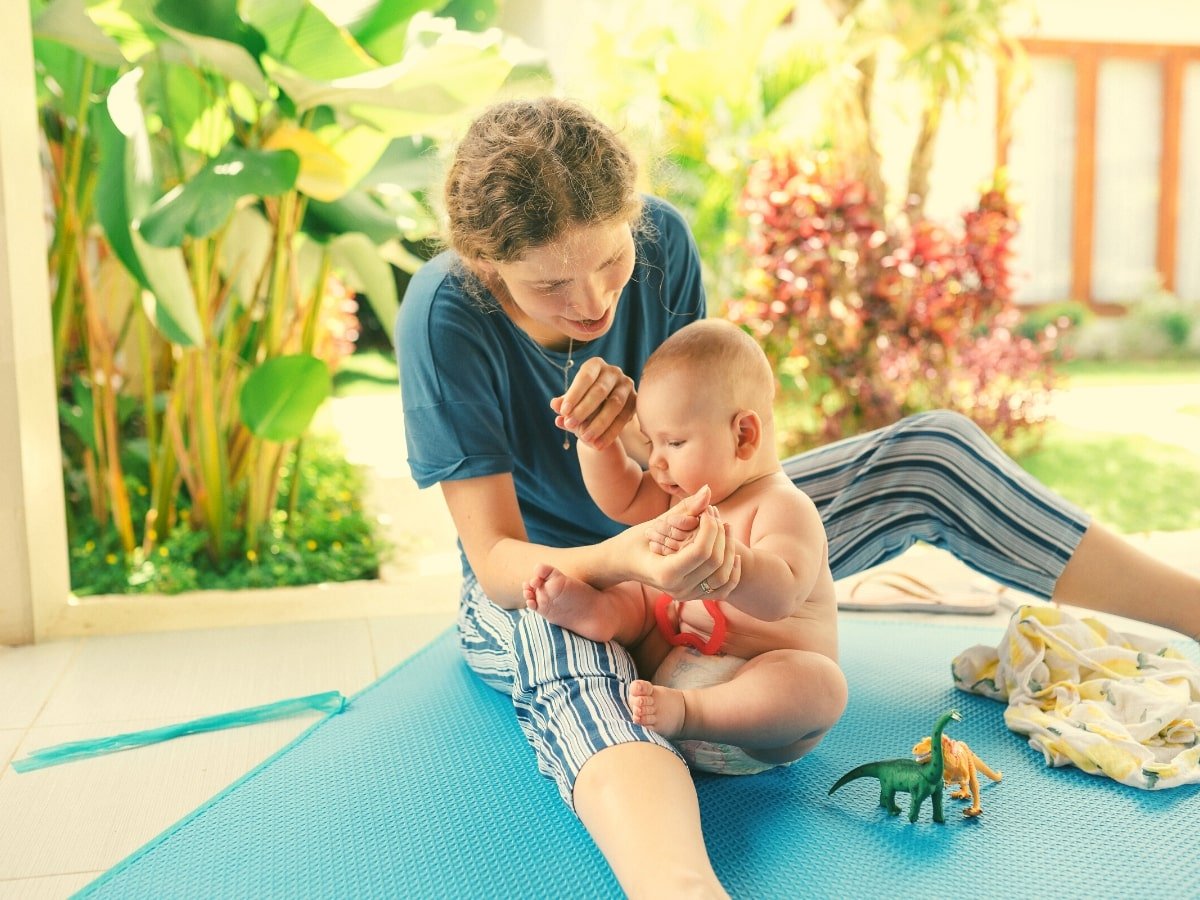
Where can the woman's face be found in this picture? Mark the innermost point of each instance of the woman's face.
(569, 288)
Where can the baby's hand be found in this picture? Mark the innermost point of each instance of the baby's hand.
(670, 532)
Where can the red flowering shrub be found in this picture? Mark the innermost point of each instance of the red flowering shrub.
(867, 321)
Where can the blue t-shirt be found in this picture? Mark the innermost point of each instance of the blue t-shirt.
(477, 389)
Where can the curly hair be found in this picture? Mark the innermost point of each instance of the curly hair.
(529, 170)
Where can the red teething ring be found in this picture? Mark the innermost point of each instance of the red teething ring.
(686, 638)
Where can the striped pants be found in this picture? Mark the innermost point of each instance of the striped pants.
(934, 477)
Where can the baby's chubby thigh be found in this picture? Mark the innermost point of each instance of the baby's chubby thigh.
(686, 668)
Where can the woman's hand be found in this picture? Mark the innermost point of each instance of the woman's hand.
(597, 405)
(674, 528)
(705, 566)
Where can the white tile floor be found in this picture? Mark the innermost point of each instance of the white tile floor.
(63, 825)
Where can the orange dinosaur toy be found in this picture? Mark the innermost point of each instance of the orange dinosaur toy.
(960, 767)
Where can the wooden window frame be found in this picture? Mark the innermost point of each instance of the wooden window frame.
(1087, 56)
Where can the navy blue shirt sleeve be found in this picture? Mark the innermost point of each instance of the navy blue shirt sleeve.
(453, 425)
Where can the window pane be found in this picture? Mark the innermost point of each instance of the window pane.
(1042, 164)
(1128, 151)
(1187, 230)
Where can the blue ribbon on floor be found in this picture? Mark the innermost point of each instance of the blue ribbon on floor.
(331, 702)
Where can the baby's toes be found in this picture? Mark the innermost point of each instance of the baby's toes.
(641, 702)
(641, 688)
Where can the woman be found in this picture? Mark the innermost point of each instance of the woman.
(531, 330)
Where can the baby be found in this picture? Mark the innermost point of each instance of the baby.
(704, 408)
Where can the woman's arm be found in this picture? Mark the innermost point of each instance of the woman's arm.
(489, 524)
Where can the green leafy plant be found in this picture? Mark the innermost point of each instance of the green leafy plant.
(1067, 314)
(1174, 320)
(222, 179)
(706, 87)
(1159, 326)
(329, 537)
(699, 87)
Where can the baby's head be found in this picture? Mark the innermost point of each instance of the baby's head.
(719, 359)
(704, 403)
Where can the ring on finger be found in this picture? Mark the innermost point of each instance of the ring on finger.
(704, 587)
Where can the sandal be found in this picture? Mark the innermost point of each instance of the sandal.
(892, 591)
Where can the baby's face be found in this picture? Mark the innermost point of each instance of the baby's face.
(691, 433)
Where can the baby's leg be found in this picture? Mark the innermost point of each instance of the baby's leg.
(776, 707)
(615, 614)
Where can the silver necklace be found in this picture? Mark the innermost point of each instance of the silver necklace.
(566, 370)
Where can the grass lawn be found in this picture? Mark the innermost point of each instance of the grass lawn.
(1107, 373)
(1129, 483)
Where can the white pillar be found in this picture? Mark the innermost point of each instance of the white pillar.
(34, 578)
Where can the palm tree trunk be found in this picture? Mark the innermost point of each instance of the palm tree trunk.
(871, 160)
(922, 160)
(857, 121)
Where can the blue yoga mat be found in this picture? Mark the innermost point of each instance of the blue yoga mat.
(425, 787)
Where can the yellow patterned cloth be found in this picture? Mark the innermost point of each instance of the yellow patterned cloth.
(1110, 703)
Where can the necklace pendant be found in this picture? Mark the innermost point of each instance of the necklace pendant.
(567, 384)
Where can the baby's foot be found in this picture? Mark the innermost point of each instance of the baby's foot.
(570, 603)
(658, 707)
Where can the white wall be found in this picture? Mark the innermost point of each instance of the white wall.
(1120, 21)
(33, 549)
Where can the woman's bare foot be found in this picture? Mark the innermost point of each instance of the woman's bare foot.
(658, 707)
(571, 603)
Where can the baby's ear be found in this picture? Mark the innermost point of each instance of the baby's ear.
(748, 431)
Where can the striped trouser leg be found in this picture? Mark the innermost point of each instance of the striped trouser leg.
(938, 478)
(570, 694)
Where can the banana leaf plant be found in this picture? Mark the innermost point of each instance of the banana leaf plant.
(219, 175)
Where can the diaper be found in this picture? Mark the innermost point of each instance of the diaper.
(686, 668)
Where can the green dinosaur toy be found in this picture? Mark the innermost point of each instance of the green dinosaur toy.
(918, 780)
